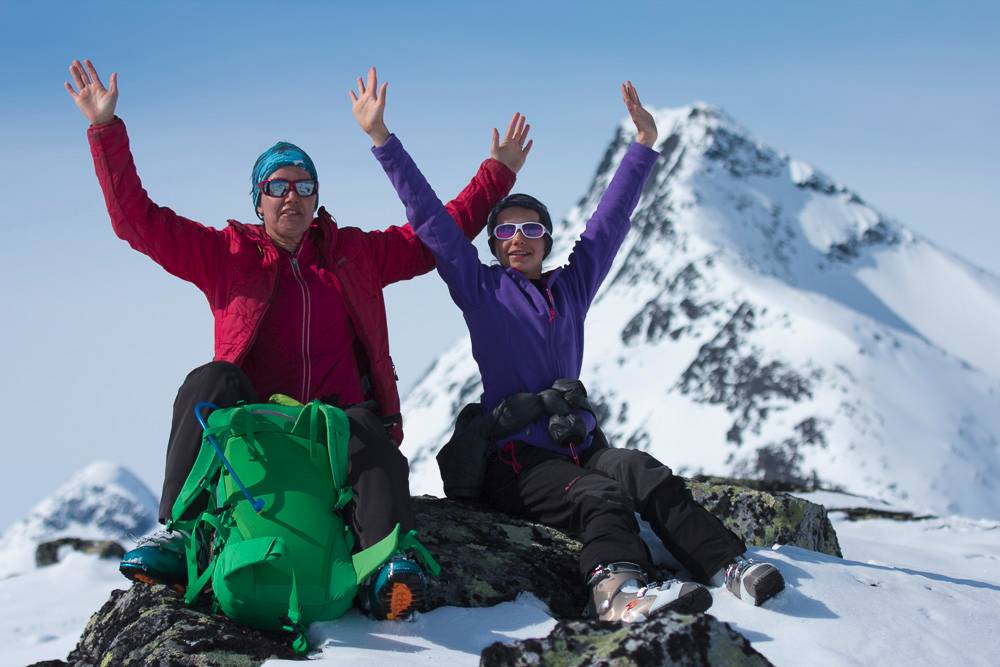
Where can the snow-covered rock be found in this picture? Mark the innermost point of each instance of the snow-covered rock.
(763, 320)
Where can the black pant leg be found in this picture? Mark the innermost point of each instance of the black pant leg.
(380, 478)
(695, 536)
(218, 382)
(586, 504)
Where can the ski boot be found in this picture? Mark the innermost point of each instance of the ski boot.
(622, 592)
(158, 559)
(395, 591)
(751, 581)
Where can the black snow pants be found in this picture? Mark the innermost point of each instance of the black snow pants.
(378, 471)
(596, 500)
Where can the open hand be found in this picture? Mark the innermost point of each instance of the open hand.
(644, 123)
(95, 102)
(512, 151)
(368, 107)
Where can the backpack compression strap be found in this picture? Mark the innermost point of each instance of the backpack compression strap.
(338, 434)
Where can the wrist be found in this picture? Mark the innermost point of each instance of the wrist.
(379, 135)
(97, 122)
(646, 140)
(513, 167)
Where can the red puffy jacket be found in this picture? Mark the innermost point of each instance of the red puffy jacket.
(236, 267)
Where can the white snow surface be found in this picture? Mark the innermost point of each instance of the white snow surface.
(43, 611)
(763, 320)
(906, 593)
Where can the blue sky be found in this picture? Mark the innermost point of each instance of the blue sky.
(897, 100)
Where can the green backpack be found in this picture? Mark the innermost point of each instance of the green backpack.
(272, 540)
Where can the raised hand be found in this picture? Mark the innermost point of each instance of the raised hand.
(644, 123)
(512, 151)
(95, 102)
(368, 107)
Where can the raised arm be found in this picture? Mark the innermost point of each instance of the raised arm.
(595, 251)
(398, 251)
(457, 260)
(472, 206)
(185, 248)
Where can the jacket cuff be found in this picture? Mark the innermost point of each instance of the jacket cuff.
(392, 145)
(504, 175)
(115, 126)
(641, 152)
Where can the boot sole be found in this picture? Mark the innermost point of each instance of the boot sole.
(695, 602)
(142, 577)
(401, 596)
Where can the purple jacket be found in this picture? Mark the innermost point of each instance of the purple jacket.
(522, 340)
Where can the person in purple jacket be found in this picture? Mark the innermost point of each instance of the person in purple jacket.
(527, 329)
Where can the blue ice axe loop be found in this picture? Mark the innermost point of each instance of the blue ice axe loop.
(256, 503)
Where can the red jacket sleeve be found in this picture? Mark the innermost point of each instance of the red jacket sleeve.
(183, 247)
(400, 255)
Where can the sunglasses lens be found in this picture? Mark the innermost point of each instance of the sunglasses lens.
(504, 231)
(276, 188)
(533, 230)
(305, 188)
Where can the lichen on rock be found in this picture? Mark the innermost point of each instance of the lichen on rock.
(666, 639)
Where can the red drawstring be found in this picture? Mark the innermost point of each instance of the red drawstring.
(552, 305)
(572, 451)
(515, 466)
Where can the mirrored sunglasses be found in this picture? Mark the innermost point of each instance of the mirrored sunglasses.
(278, 187)
(530, 230)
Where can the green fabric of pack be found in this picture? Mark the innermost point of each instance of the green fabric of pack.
(273, 541)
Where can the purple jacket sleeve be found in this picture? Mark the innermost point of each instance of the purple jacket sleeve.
(595, 251)
(457, 260)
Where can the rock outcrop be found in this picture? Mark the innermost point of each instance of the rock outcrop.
(151, 625)
(667, 639)
(48, 553)
(764, 518)
(488, 558)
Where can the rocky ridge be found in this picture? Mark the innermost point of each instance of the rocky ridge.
(489, 558)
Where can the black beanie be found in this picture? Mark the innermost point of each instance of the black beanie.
(524, 201)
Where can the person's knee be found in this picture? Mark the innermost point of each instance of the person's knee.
(221, 370)
(215, 373)
(219, 382)
(602, 499)
(370, 440)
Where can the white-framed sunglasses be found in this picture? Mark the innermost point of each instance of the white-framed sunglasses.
(530, 230)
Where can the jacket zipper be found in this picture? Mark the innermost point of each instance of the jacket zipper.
(306, 321)
(551, 301)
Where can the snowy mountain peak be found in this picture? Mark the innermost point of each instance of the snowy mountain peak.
(101, 501)
(762, 319)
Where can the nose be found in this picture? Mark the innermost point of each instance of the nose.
(292, 192)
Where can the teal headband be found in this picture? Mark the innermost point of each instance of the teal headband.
(282, 154)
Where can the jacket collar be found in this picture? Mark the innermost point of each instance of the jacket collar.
(323, 230)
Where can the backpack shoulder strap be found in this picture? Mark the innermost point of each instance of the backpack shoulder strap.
(200, 479)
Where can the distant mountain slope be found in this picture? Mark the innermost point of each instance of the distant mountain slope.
(102, 501)
(763, 320)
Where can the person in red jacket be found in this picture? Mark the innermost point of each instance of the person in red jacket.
(298, 309)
